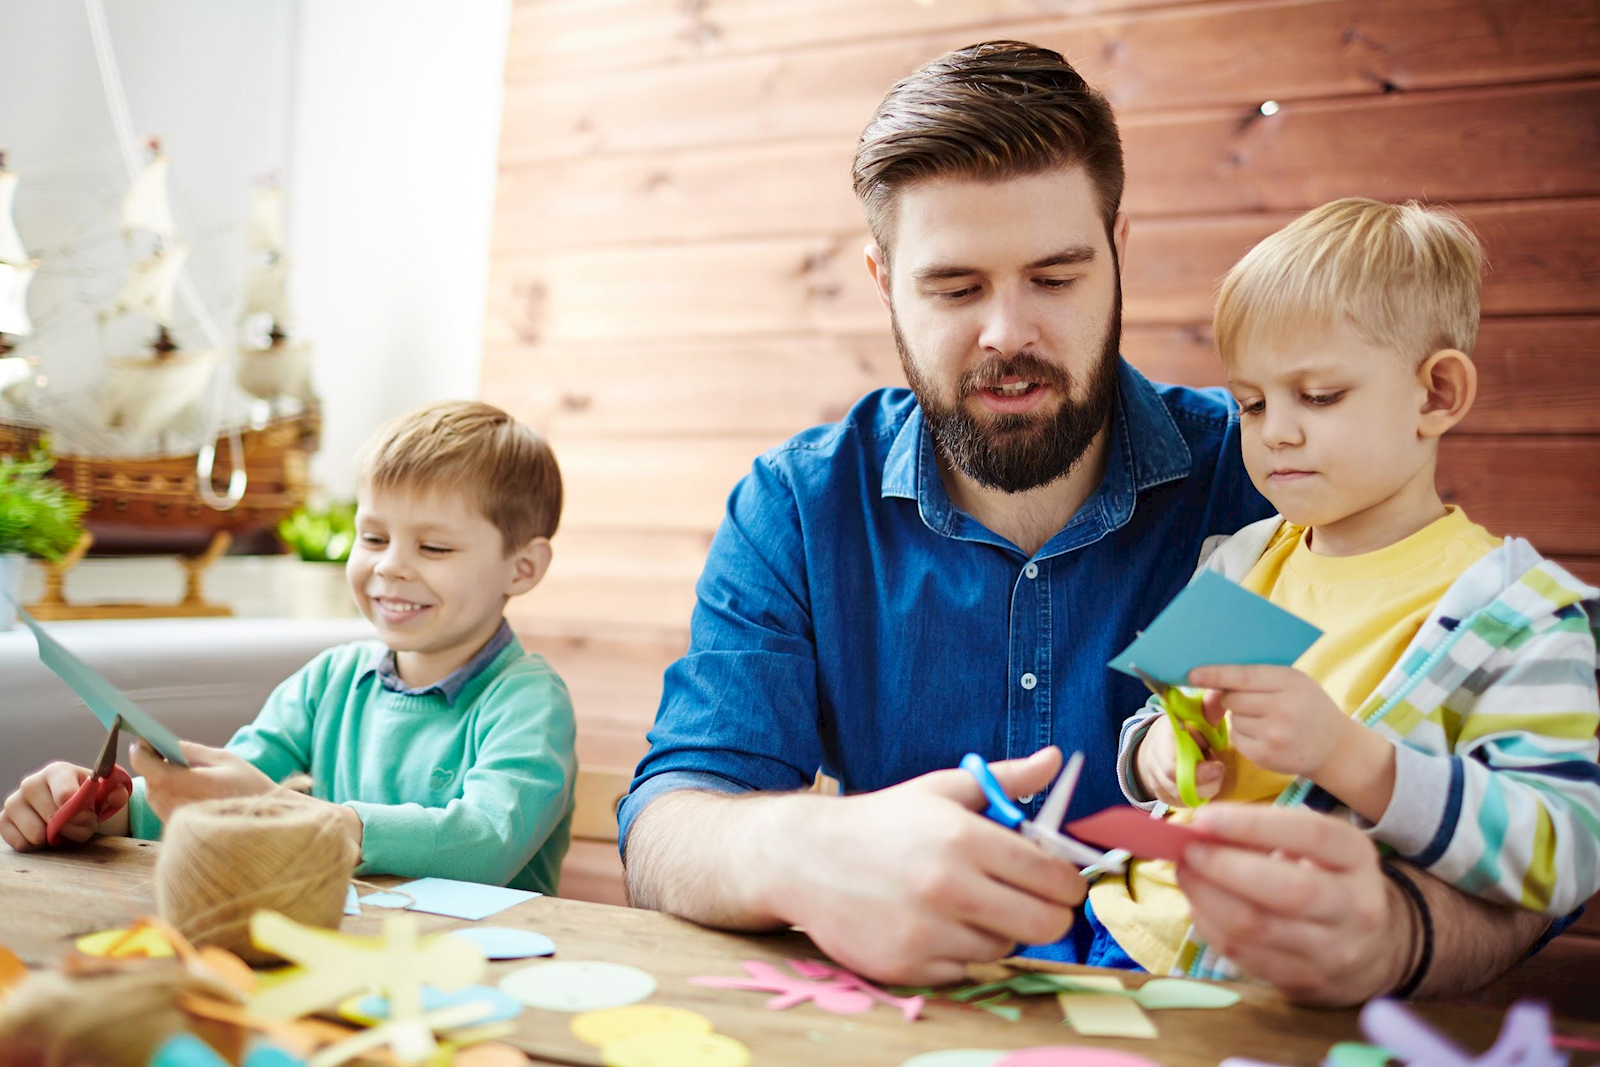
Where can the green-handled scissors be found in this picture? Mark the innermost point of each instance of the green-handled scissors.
(1185, 713)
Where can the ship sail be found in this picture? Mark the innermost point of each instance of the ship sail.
(14, 282)
(145, 207)
(152, 283)
(265, 293)
(145, 396)
(11, 250)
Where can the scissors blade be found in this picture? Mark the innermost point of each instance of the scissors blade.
(108, 753)
(1160, 689)
(1053, 812)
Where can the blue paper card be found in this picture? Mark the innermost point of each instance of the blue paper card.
(433, 998)
(104, 699)
(445, 896)
(1214, 622)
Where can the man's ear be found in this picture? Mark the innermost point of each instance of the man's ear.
(529, 565)
(1450, 384)
(878, 267)
(1119, 239)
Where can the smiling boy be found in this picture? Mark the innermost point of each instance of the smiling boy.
(1449, 709)
(443, 748)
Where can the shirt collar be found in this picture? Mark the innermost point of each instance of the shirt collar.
(451, 685)
(1146, 449)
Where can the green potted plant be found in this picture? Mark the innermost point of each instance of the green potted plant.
(322, 537)
(38, 517)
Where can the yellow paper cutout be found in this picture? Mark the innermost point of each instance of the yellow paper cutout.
(119, 944)
(1105, 1014)
(12, 970)
(602, 1028)
(394, 966)
(675, 1050)
(399, 1035)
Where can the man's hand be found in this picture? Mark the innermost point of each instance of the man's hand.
(1300, 903)
(27, 811)
(1156, 766)
(1283, 721)
(909, 885)
(212, 773)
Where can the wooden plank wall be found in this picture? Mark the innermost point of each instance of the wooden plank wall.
(676, 267)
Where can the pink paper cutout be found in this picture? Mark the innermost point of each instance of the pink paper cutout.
(910, 1007)
(838, 992)
(1134, 830)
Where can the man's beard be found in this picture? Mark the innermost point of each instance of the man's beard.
(1016, 453)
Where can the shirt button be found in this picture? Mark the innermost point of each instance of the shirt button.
(1029, 681)
(1031, 570)
(1025, 800)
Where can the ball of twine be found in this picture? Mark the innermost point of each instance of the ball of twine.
(223, 860)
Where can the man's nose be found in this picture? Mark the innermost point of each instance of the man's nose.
(1009, 325)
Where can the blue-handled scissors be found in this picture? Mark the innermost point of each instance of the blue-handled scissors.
(1045, 829)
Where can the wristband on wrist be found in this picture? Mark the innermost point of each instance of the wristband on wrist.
(1414, 896)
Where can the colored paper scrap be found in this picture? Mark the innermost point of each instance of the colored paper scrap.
(446, 896)
(1356, 1054)
(335, 965)
(493, 1054)
(1212, 622)
(602, 1028)
(12, 969)
(507, 943)
(352, 904)
(671, 1049)
(957, 1057)
(578, 985)
(120, 944)
(1072, 1056)
(910, 1007)
(187, 1050)
(1105, 1015)
(832, 989)
(1133, 829)
(1160, 993)
(502, 1005)
(105, 700)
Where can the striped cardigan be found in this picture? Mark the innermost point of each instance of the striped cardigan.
(1493, 713)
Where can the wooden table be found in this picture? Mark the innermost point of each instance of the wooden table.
(48, 898)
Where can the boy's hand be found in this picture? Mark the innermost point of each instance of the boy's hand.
(212, 773)
(1282, 721)
(1156, 766)
(27, 812)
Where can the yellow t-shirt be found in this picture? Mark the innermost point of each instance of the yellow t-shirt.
(1369, 608)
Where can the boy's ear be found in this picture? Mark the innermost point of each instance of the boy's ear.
(530, 563)
(878, 267)
(1450, 382)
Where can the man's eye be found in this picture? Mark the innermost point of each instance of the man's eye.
(1057, 283)
(957, 294)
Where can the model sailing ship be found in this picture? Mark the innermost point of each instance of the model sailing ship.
(139, 464)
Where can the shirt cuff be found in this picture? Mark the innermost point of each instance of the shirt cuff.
(1416, 813)
(395, 838)
(143, 824)
(1127, 749)
(640, 796)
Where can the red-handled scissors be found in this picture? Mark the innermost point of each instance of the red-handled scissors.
(105, 778)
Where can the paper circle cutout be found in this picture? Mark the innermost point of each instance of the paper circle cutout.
(958, 1057)
(676, 1050)
(433, 998)
(507, 943)
(578, 985)
(1072, 1056)
(602, 1028)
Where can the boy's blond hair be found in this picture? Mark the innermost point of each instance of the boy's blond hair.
(507, 469)
(1403, 275)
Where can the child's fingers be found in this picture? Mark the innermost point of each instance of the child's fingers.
(80, 827)
(1241, 678)
(62, 780)
(27, 823)
(1208, 778)
(1213, 706)
(119, 797)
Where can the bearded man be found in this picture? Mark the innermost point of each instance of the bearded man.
(949, 568)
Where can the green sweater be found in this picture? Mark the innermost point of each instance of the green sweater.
(477, 789)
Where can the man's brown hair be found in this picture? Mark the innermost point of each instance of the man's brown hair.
(475, 448)
(991, 111)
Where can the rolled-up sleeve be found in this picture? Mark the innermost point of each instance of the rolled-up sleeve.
(739, 710)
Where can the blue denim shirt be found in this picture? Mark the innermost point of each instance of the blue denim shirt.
(851, 619)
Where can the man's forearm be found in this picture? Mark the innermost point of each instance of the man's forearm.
(1474, 941)
(714, 858)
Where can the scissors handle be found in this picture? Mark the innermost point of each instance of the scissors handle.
(1000, 808)
(1186, 712)
(94, 793)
